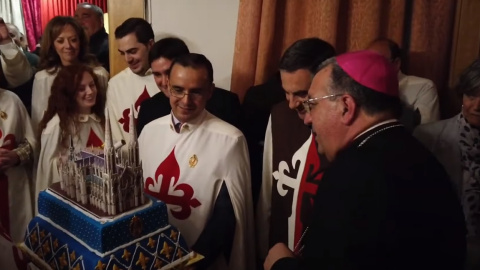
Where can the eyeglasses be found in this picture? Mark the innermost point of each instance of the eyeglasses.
(179, 93)
(310, 103)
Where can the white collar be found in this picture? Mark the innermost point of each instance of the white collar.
(148, 72)
(375, 126)
(188, 125)
(83, 118)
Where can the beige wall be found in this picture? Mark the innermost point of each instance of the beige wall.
(207, 26)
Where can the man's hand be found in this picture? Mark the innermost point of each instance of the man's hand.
(4, 35)
(277, 252)
(8, 159)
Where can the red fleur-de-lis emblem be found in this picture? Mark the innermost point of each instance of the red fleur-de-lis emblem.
(125, 120)
(94, 140)
(166, 183)
(308, 188)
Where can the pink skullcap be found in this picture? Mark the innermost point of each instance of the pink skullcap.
(371, 70)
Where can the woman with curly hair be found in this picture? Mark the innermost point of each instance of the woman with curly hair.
(63, 43)
(75, 114)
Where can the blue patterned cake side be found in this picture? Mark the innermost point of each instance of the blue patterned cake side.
(101, 236)
(58, 250)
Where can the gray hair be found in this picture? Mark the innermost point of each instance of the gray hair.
(469, 81)
(93, 7)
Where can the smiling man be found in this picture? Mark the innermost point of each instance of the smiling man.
(223, 103)
(135, 83)
(384, 202)
(198, 165)
(291, 166)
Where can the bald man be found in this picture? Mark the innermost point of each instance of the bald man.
(91, 18)
(419, 95)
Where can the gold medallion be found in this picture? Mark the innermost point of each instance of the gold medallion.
(193, 161)
(3, 115)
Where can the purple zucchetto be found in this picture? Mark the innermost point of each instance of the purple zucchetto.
(371, 70)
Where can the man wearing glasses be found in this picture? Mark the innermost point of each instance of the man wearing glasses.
(198, 165)
(384, 202)
(292, 167)
(223, 104)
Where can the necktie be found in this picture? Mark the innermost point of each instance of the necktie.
(177, 127)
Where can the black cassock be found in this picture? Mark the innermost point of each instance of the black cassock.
(385, 203)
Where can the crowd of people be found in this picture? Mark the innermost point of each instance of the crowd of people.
(336, 162)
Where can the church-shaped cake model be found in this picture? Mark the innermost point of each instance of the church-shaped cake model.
(105, 179)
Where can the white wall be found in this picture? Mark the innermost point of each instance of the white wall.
(207, 26)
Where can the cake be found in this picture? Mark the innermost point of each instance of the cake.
(97, 216)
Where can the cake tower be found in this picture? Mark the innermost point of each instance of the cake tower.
(104, 180)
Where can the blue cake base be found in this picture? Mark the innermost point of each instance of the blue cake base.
(60, 251)
(102, 235)
(63, 236)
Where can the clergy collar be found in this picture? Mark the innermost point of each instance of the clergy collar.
(363, 137)
(188, 126)
(83, 118)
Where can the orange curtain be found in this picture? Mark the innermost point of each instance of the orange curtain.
(52, 8)
(267, 27)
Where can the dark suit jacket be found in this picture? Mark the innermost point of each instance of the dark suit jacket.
(259, 101)
(98, 45)
(223, 104)
(386, 204)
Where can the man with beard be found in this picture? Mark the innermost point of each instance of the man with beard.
(291, 166)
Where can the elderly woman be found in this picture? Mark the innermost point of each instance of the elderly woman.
(64, 43)
(75, 114)
(456, 144)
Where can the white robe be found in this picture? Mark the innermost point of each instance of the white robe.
(41, 90)
(278, 181)
(420, 93)
(15, 65)
(90, 133)
(187, 170)
(13, 130)
(127, 89)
